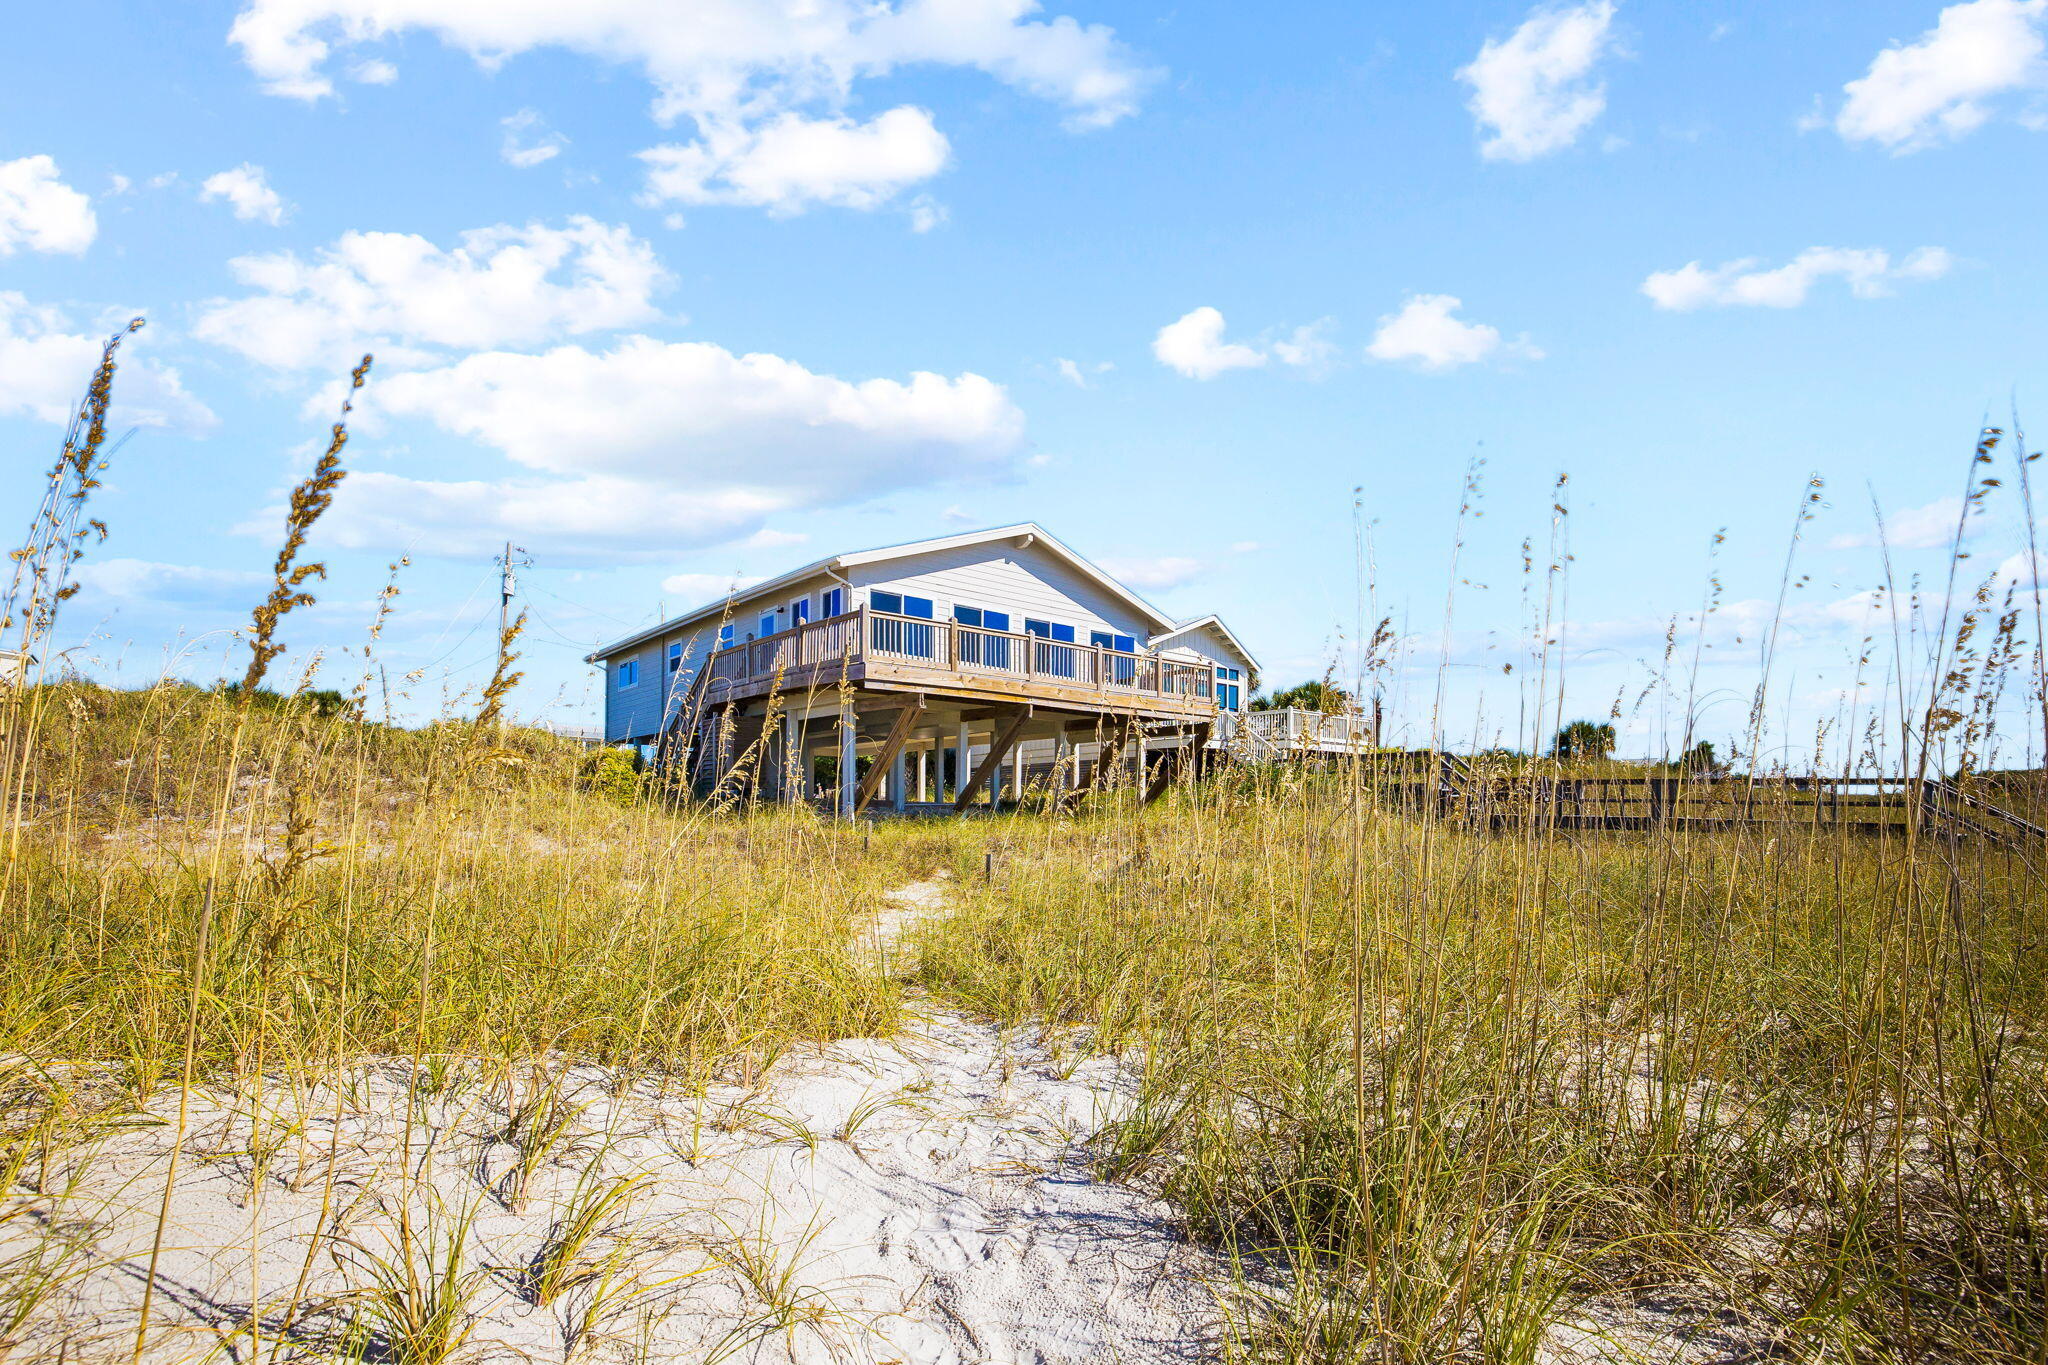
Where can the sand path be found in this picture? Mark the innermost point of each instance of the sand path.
(923, 1198)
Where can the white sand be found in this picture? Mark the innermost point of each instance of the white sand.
(923, 1198)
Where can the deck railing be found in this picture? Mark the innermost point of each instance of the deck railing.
(948, 646)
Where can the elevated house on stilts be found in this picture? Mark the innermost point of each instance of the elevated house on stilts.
(965, 669)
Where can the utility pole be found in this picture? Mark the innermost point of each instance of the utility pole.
(508, 583)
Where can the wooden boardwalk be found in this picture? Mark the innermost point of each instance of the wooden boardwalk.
(1452, 787)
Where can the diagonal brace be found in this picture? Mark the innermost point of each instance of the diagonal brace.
(997, 751)
(899, 734)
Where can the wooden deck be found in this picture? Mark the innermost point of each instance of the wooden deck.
(880, 652)
(900, 704)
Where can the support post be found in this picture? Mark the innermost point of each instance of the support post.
(1179, 763)
(993, 760)
(960, 761)
(898, 771)
(1107, 756)
(848, 738)
(791, 788)
(924, 765)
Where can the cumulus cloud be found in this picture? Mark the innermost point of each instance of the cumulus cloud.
(40, 212)
(792, 162)
(739, 69)
(391, 291)
(46, 362)
(1194, 346)
(654, 446)
(528, 140)
(1944, 83)
(1533, 92)
(1425, 334)
(1156, 573)
(1868, 271)
(247, 191)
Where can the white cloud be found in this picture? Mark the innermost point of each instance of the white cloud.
(382, 290)
(1245, 547)
(145, 582)
(1079, 375)
(528, 140)
(766, 82)
(1915, 528)
(719, 56)
(927, 213)
(768, 538)
(654, 446)
(247, 191)
(45, 365)
(1425, 333)
(702, 589)
(40, 212)
(791, 162)
(1531, 92)
(375, 71)
(1938, 86)
(1156, 573)
(1868, 271)
(1309, 347)
(1194, 346)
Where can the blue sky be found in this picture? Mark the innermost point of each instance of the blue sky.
(672, 299)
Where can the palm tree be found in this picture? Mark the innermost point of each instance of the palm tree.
(1583, 739)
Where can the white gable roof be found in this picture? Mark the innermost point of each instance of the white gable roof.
(1024, 534)
(1211, 622)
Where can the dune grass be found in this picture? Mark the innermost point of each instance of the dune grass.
(1461, 1087)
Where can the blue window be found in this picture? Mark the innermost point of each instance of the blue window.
(1229, 688)
(675, 657)
(629, 673)
(1122, 644)
(976, 616)
(1050, 630)
(725, 637)
(800, 611)
(767, 623)
(833, 603)
(897, 604)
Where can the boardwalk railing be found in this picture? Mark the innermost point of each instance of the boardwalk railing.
(1454, 787)
(815, 651)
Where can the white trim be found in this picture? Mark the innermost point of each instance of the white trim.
(1211, 622)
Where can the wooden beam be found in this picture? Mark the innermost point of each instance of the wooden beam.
(993, 758)
(1120, 730)
(906, 721)
(1177, 763)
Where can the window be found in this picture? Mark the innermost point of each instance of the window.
(725, 637)
(898, 604)
(800, 611)
(675, 657)
(977, 616)
(629, 673)
(1122, 644)
(833, 603)
(767, 623)
(1229, 688)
